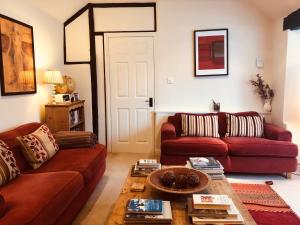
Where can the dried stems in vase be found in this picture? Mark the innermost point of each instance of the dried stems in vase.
(263, 89)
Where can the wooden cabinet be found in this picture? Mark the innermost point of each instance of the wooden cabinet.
(65, 116)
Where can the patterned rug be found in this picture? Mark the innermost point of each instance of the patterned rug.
(265, 205)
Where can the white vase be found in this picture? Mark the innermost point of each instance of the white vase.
(267, 105)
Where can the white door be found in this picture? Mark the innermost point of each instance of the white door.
(131, 79)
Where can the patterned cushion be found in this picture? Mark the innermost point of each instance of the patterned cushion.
(244, 126)
(200, 125)
(39, 146)
(8, 166)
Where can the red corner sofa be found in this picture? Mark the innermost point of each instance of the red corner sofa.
(55, 192)
(274, 153)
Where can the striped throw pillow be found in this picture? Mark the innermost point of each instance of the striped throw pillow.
(200, 125)
(8, 166)
(244, 126)
(39, 146)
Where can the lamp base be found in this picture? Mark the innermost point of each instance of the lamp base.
(53, 94)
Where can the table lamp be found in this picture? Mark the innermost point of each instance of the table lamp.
(53, 77)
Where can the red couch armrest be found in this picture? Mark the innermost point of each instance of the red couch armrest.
(168, 131)
(274, 132)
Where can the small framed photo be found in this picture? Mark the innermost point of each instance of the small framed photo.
(76, 97)
(211, 52)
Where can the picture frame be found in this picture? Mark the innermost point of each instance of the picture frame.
(17, 62)
(211, 52)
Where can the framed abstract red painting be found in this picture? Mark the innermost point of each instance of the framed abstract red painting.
(211, 52)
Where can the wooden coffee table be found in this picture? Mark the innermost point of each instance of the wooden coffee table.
(178, 202)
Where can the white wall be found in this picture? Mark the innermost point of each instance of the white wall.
(291, 113)
(81, 75)
(248, 38)
(48, 44)
(292, 80)
(78, 39)
(280, 39)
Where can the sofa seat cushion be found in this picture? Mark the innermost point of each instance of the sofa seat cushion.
(194, 146)
(40, 198)
(84, 160)
(249, 146)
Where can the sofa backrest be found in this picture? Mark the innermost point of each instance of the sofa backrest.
(176, 120)
(9, 137)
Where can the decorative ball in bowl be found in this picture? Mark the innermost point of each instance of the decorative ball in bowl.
(179, 180)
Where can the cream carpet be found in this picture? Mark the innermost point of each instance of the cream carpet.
(101, 202)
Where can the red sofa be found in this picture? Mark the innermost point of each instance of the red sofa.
(274, 153)
(55, 192)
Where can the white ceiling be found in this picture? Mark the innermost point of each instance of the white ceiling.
(276, 9)
(64, 9)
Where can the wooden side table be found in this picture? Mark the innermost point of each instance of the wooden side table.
(65, 116)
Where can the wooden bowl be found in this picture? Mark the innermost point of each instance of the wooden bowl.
(154, 179)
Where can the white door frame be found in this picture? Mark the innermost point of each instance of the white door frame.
(107, 81)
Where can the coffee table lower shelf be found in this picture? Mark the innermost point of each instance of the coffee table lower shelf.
(178, 202)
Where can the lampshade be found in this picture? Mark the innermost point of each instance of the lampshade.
(53, 77)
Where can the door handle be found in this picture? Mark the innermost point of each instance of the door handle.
(150, 102)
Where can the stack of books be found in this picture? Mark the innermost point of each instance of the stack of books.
(144, 167)
(148, 211)
(213, 209)
(207, 165)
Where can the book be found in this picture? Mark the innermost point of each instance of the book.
(214, 173)
(204, 162)
(137, 187)
(144, 172)
(206, 170)
(205, 201)
(146, 162)
(198, 220)
(205, 213)
(144, 206)
(233, 212)
(165, 217)
(153, 166)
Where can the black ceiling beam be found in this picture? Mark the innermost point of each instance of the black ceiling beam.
(292, 21)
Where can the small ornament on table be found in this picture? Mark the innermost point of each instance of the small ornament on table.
(216, 106)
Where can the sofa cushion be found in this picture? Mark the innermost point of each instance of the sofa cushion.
(8, 167)
(39, 146)
(40, 198)
(177, 121)
(199, 125)
(244, 126)
(223, 120)
(194, 146)
(87, 161)
(9, 137)
(75, 139)
(249, 146)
